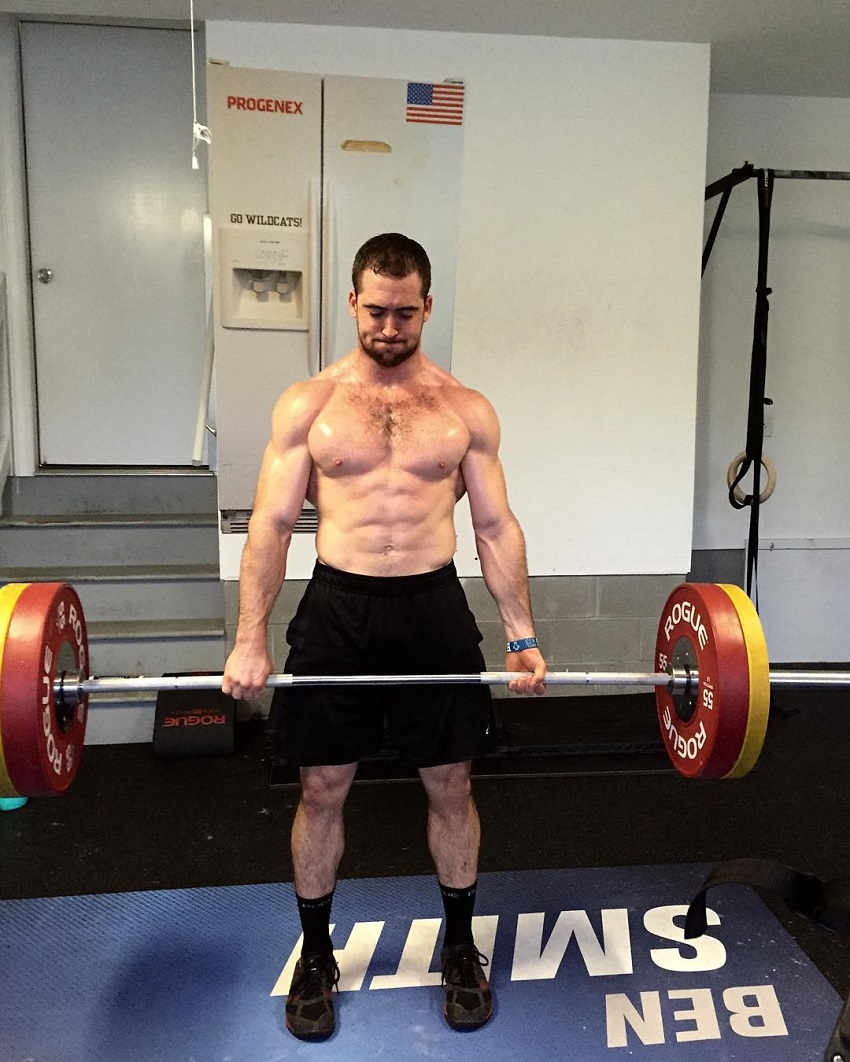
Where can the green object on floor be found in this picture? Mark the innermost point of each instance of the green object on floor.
(12, 803)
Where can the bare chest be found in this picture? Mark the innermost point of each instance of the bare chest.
(363, 430)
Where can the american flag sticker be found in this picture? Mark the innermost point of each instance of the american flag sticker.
(435, 104)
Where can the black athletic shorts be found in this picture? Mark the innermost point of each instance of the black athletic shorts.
(350, 624)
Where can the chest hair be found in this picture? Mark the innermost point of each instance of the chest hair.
(397, 419)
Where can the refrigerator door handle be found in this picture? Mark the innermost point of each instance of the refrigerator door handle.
(314, 344)
(328, 235)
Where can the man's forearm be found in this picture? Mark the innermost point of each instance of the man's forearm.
(505, 570)
(260, 579)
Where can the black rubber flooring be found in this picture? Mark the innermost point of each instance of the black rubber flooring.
(604, 797)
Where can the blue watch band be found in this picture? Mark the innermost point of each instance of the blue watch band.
(520, 644)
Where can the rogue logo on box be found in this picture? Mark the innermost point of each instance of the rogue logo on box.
(196, 717)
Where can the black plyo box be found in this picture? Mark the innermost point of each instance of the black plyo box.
(194, 723)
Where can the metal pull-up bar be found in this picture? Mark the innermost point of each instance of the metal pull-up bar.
(812, 175)
(745, 172)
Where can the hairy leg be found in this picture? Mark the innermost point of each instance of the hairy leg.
(317, 830)
(454, 832)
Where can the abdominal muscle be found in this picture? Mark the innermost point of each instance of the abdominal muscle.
(385, 523)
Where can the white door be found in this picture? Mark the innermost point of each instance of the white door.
(5, 392)
(116, 230)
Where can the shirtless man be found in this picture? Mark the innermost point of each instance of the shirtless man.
(383, 443)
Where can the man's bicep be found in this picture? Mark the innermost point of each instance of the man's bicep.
(481, 468)
(286, 465)
(486, 490)
(282, 484)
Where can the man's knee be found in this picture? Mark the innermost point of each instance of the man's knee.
(449, 787)
(325, 788)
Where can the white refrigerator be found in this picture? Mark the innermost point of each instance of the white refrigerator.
(303, 169)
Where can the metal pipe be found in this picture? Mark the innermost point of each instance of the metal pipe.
(810, 678)
(70, 687)
(204, 396)
(813, 175)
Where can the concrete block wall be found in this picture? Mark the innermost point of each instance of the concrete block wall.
(584, 623)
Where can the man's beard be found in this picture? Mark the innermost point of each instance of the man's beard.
(388, 355)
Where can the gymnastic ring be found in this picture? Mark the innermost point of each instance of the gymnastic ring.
(735, 468)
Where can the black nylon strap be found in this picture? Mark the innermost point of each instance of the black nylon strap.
(715, 226)
(746, 465)
(723, 188)
(825, 903)
(758, 375)
(758, 364)
(736, 177)
(839, 1044)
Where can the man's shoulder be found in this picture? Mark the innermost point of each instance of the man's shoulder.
(475, 411)
(301, 403)
(464, 397)
(437, 376)
(312, 391)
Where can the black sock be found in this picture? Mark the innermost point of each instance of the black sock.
(458, 905)
(315, 918)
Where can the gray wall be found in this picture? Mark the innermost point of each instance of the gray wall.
(584, 623)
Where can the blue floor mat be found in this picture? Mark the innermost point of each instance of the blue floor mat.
(586, 964)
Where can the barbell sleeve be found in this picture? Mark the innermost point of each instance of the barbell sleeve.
(809, 678)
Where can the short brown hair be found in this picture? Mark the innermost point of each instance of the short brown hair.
(393, 255)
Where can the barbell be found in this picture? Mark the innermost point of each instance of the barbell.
(712, 683)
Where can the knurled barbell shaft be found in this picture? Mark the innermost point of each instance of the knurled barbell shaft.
(70, 686)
